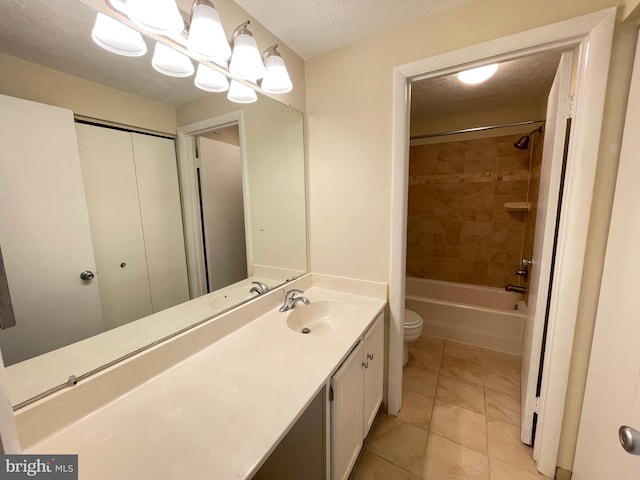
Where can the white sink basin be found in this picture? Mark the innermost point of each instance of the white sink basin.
(319, 318)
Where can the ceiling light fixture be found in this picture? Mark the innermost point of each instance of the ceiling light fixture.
(245, 59)
(478, 75)
(206, 35)
(210, 80)
(156, 16)
(276, 78)
(171, 62)
(116, 37)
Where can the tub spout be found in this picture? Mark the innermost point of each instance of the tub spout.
(515, 288)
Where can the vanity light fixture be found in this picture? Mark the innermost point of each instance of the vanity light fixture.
(206, 35)
(171, 62)
(241, 93)
(245, 59)
(156, 16)
(116, 37)
(478, 75)
(276, 78)
(210, 79)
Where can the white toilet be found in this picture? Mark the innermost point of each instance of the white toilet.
(412, 330)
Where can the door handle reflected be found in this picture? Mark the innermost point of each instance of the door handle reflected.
(629, 439)
(87, 275)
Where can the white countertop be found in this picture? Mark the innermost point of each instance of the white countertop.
(219, 413)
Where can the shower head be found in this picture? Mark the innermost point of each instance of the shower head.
(523, 141)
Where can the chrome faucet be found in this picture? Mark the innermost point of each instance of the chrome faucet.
(291, 299)
(259, 288)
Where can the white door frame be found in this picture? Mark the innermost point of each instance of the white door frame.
(593, 33)
(191, 201)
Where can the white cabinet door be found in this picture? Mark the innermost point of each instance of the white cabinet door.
(373, 373)
(112, 198)
(346, 414)
(161, 214)
(44, 231)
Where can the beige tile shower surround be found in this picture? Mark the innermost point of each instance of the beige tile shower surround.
(460, 419)
(458, 229)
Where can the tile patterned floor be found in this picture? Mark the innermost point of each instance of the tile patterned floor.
(460, 419)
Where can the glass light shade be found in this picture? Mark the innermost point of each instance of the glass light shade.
(206, 35)
(276, 78)
(116, 37)
(156, 16)
(241, 93)
(245, 60)
(478, 75)
(210, 79)
(170, 62)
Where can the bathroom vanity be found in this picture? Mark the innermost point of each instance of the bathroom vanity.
(228, 408)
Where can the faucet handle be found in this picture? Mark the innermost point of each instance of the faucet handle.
(292, 292)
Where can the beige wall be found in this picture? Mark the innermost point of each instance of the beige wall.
(349, 110)
(34, 82)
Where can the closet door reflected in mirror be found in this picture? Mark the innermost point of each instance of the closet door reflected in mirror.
(131, 184)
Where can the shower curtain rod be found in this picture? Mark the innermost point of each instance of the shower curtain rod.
(475, 129)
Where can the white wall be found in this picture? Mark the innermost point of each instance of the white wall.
(349, 111)
(41, 84)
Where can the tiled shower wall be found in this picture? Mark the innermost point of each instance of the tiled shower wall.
(458, 229)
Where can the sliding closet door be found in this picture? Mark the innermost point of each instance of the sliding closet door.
(112, 199)
(161, 214)
(44, 231)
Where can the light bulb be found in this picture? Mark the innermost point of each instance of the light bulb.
(116, 37)
(170, 62)
(206, 35)
(241, 93)
(246, 62)
(478, 75)
(276, 78)
(210, 79)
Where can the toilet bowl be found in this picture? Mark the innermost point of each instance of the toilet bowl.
(412, 330)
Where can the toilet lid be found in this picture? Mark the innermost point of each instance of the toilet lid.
(411, 318)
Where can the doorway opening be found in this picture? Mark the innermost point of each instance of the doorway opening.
(593, 31)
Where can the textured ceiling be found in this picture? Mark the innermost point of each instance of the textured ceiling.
(63, 42)
(524, 79)
(313, 27)
(57, 34)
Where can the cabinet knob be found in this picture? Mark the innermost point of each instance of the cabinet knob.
(365, 364)
(87, 275)
(370, 356)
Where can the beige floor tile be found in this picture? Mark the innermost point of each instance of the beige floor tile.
(468, 370)
(403, 445)
(382, 424)
(446, 460)
(460, 425)
(427, 359)
(420, 380)
(504, 444)
(416, 409)
(503, 381)
(496, 360)
(503, 471)
(453, 391)
(462, 350)
(372, 467)
(432, 344)
(502, 406)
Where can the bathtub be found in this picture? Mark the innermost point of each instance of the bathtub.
(487, 317)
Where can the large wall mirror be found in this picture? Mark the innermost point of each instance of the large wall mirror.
(132, 204)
